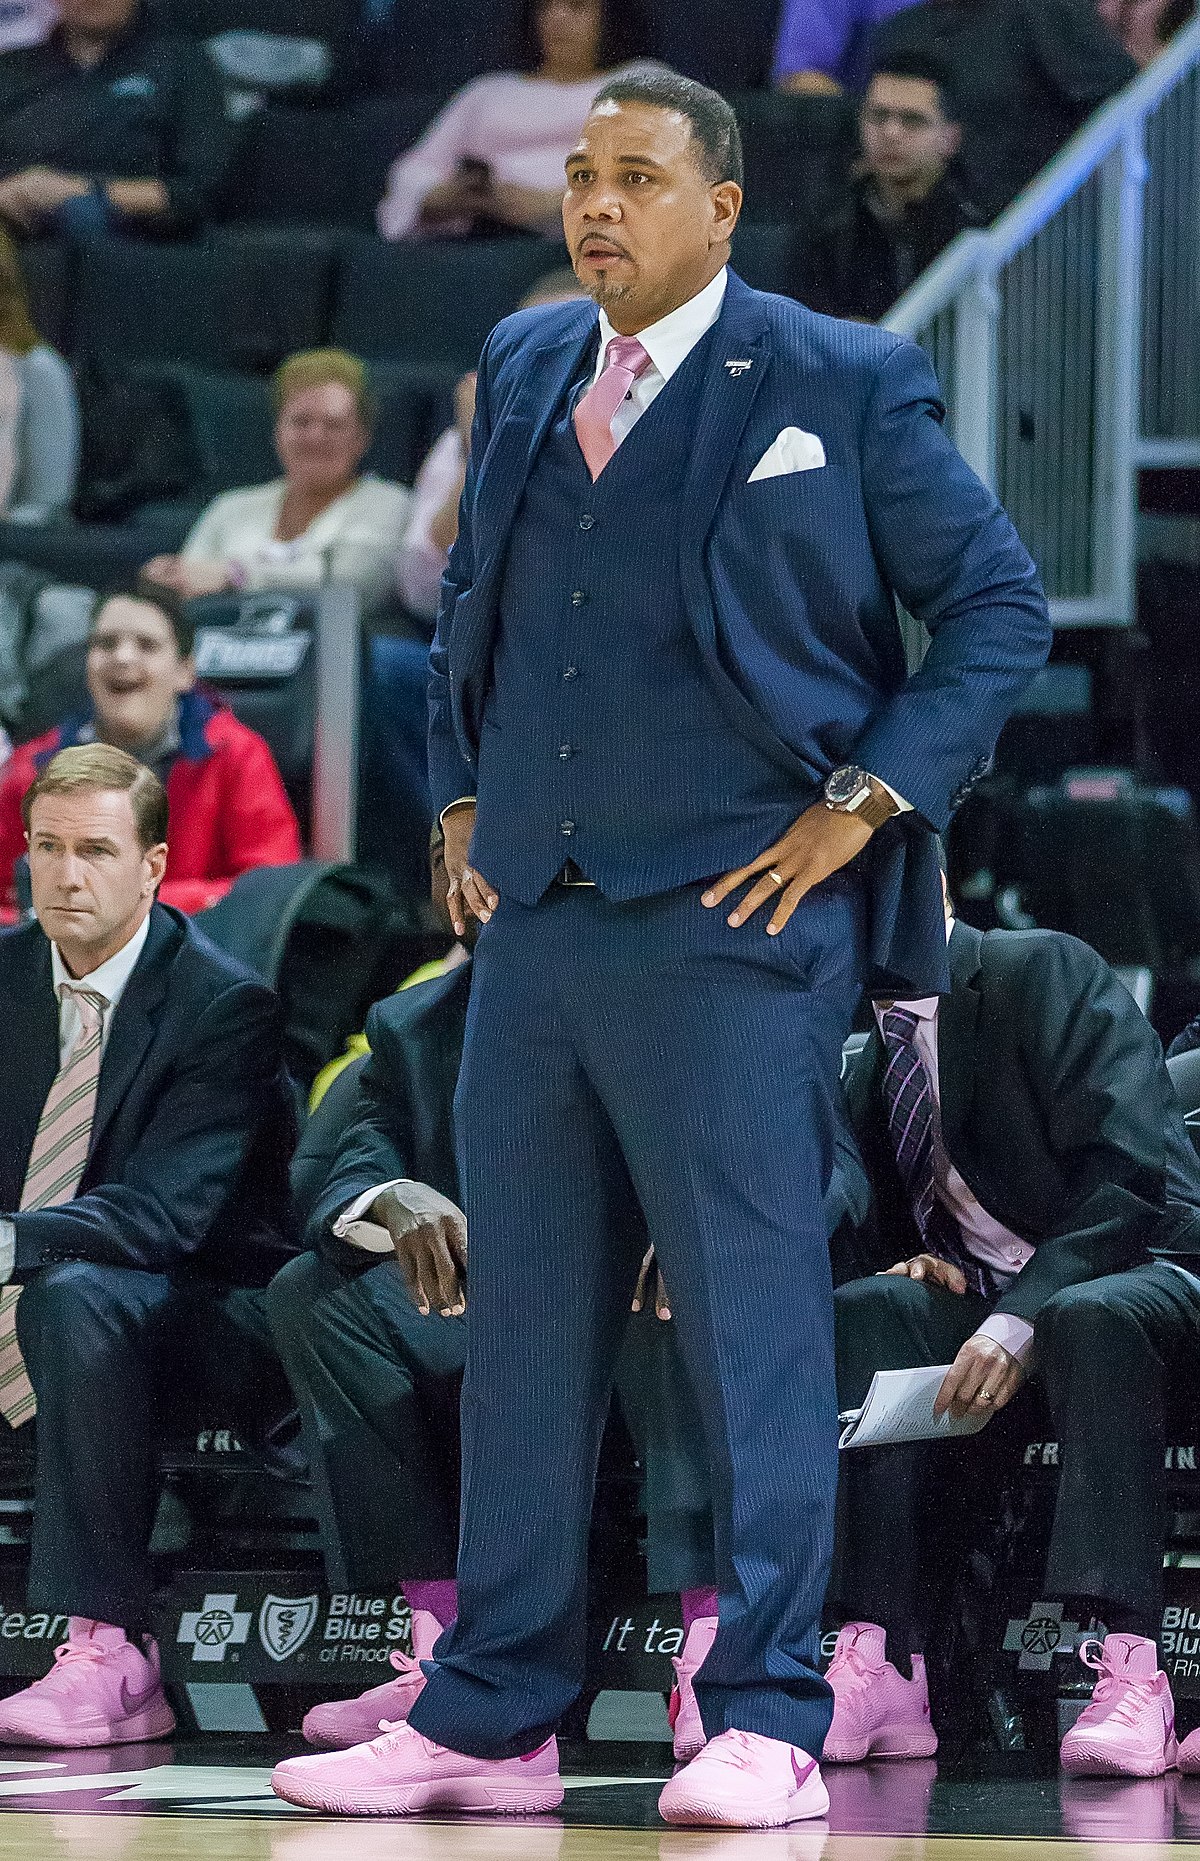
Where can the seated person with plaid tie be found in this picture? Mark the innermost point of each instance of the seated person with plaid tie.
(145, 1132)
(1036, 1208)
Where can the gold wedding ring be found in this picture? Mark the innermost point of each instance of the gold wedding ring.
(776, 878)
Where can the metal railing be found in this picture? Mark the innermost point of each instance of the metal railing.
(1067, 336)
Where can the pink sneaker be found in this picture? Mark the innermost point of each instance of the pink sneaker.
(683, 1712)
(877, 1713)
(1189, 1755)
(1128, 1727)
(744, 1781)
(401, 1774)
(341, 1723)
(100, 1691)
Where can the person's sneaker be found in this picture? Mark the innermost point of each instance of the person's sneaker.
(742, 1780)
(101, 1691)
(401, 1773)
(1189, 1755)
(1128, 1727)
(340, 1723)
(683, 1713)
(877, 1713)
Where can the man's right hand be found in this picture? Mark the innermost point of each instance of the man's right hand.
(429, 1234)
(931, 1267)
(467, 890)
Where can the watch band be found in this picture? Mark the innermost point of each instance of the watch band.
(877, 808)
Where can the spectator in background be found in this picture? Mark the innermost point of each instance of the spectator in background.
(112, 125)
(1144, 27)
(822, 45)
(492, 160)
(144, 1140)
(39, 408)
(25, 22)
(325, 520)
(902, 204)
(433, 519)
(229, 809)
(1024, 75)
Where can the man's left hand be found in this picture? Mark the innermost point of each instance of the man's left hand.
(821, 842)
(982, 1378)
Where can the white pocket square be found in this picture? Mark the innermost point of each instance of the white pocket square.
(793, 451)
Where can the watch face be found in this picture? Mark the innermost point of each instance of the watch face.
(843, 785)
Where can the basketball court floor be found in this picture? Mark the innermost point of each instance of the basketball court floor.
(211, 1801)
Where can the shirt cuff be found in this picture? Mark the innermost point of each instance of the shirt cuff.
(8, 1249)
(1015, 1335)
(368, 1235)
(905, 807)
(464, 801)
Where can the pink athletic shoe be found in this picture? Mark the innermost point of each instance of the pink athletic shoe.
(877, 1713)
(100, 1691)
(1189, 1755)
(341, 1723)
(1128, 1727)
(402, 1774)
(683, 1712)
(744, 1781)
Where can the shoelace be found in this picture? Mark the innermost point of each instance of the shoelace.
(733, 1748)
(1136, 1694)
(77, 1654)
(849, 1660)
(393, 1732)
(405, 1666)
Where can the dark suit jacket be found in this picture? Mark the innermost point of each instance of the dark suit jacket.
(401, 1117)
(790, 583)
(194, 1124)
(1057, 1111)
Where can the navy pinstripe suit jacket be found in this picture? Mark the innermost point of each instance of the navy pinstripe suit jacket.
(790, 582)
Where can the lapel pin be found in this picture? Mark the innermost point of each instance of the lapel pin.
(738, 368)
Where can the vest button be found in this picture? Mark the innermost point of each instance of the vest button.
(586, 521)
(571, 672)
(568, 828)
(578, 599)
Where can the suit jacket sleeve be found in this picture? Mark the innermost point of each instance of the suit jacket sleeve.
(955, 561)
(376, 1146)
(451, 777)
(1096, 1072)
(187, 1160)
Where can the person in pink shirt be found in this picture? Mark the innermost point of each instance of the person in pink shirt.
(493, 159)
(1036, 1211)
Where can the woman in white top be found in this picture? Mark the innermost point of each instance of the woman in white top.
(39, 409)
(494, 156)
(324, 520)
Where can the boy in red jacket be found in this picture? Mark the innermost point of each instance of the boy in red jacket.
(229, 809)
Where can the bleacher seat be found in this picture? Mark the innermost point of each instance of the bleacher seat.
(296, 167)
(48, 267)
(797, 150)
(707, 40)
(243, 303)
(433, 302)
(438, 45)
(383, 128)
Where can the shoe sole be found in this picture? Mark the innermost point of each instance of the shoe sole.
(803, 1805)
(475, 1795)
(136, 1730)
(891, 1742)
(1098, 1761)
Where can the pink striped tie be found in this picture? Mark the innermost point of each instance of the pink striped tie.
(56, 1163)
(624, 361)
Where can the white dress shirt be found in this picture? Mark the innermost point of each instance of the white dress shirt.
(109, 980)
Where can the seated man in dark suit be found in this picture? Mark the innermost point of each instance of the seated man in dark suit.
(1034, 1191)
(144, 1138)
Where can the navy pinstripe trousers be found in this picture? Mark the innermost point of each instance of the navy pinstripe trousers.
(646, 1050)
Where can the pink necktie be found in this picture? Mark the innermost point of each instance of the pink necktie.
(56, 1164)
(624, 360)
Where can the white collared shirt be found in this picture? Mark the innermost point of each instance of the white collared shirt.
(110, 979)
(668, 343)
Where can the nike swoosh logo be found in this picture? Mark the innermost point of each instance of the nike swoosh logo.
(135, 1702)
(802, 1776)
(529, 1756)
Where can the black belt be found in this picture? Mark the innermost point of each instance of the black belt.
(571, 876)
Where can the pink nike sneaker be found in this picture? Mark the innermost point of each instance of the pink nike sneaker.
(341, 1723)
(877, 1713)
(1189, 1755)
(742, 1780)
(683, 1712)
(100, 1691)
(1128, 1727)
(401, 1774)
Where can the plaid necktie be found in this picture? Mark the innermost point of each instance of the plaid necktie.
(624, 361)
(908, 1098)
(56, 1163)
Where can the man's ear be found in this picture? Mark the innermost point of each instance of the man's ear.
(156, 864)
(727, 205)
(952, 140)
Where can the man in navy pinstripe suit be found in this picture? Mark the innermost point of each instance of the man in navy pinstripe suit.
(690, 792)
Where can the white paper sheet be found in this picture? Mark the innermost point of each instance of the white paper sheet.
(899, 1409)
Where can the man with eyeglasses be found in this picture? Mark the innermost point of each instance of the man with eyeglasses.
(904, 200)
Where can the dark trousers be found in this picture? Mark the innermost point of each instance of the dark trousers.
(115, 1356)
(1104, 1349)
(378, 1389)
(646, 1053)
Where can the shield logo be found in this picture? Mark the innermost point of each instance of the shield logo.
(285, 1624)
